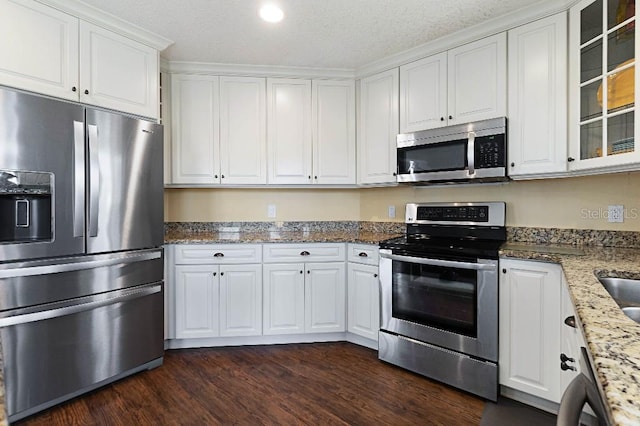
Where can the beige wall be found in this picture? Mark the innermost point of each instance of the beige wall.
(557, 203)
(227, 205)
(560, 203)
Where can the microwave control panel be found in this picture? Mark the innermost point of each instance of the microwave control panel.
(490, 152)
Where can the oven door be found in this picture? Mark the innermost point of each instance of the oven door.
(449, 303)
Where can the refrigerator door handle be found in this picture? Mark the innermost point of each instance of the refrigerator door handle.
(28, 271)
(78, 179)
(94, 179)
(79, 307)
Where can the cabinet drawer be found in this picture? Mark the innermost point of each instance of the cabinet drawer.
(218, 254)
(304, 252)
(363, 253)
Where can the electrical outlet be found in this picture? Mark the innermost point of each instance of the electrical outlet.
(271, 210)
(616, 214)
(392, 212)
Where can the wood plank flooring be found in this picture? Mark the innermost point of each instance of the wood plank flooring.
(315, 384)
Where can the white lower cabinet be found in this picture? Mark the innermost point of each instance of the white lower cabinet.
(304, 298)
(530, 318)
(217, 290)
(363, 294)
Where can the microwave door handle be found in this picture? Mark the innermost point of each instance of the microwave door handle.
(94, 182)
(439, 262)
(471, 149)
(78, 179)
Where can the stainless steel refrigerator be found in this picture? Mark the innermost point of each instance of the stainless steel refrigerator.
(81, 264)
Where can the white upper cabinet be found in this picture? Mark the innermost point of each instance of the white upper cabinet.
(39, 49)
(219, 130)
(243, 121)
(477, 80)
(464, 84)
(333, 114)
(603, 124)
(118, 73)
(538, 97)
(378, 128)
(195, 128)
(53, 53)
(289, 131)
(423, 94)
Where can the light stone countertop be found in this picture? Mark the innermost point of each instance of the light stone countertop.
(612, 338)
(335, 236)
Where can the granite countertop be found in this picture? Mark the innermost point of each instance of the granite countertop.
(613, 338)
(334, 236)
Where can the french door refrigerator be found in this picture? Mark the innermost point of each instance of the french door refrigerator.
(81, 263)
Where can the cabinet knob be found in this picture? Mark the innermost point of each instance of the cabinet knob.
(218, 254)
(301, 272)
(215, 273)
(309, 176)
(570, 159)
(308, 272)
(513, 164)
(86, 92)
(565, 358)
(222, 176)
(395, 174)
(504, 270)
(375, 275)
(215, 176)
(363, 254)
(564, 367)
(74, 89)
(304, 253)
(441, 118)
(221, 273)
(315, 177)
(570, 321)
(451, 117)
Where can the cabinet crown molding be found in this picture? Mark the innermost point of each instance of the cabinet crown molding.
(110, 22)
(185, 67)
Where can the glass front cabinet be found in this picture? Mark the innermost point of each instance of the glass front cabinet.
(603, 52)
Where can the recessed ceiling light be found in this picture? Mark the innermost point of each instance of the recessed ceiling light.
(271, 13)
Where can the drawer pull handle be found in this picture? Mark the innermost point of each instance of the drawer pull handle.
(218, 254)
(375, 275)
(304, 253)
(570, 321)
(363, 254)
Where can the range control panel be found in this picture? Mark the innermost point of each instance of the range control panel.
(471, 213)
(454, 214)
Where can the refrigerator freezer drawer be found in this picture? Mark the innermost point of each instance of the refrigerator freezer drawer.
(25, 284)
(57, 354)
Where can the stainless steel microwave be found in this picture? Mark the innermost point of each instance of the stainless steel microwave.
(471, 152)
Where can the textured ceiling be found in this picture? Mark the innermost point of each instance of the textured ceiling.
(315, 33)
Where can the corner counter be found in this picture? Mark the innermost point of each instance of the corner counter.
(613, 339)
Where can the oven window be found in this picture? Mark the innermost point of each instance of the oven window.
(440, 297)
(438, 157)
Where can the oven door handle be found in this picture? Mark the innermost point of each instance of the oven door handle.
(440, 262)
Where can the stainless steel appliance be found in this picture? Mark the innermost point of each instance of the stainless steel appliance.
(439, 294)
(472, 152)
(81, 264)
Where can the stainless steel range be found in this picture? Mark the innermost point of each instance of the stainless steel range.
(439, 295)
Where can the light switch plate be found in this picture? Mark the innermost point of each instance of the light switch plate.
(392, 212)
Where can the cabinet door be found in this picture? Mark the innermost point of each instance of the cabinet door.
(118, 73)
(240, 300)
(378, 129)
(363, 313)
(538, 97)
(334, 133)
(39, 49)
(325, 295)
(243, 130)
(530, 327)
(423, 94)
(603, 77)
(283, 295)
(289, 131)
(477, 80)
(197, 296)
(196, 143)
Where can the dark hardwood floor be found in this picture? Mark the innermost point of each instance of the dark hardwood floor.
(316, 384)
